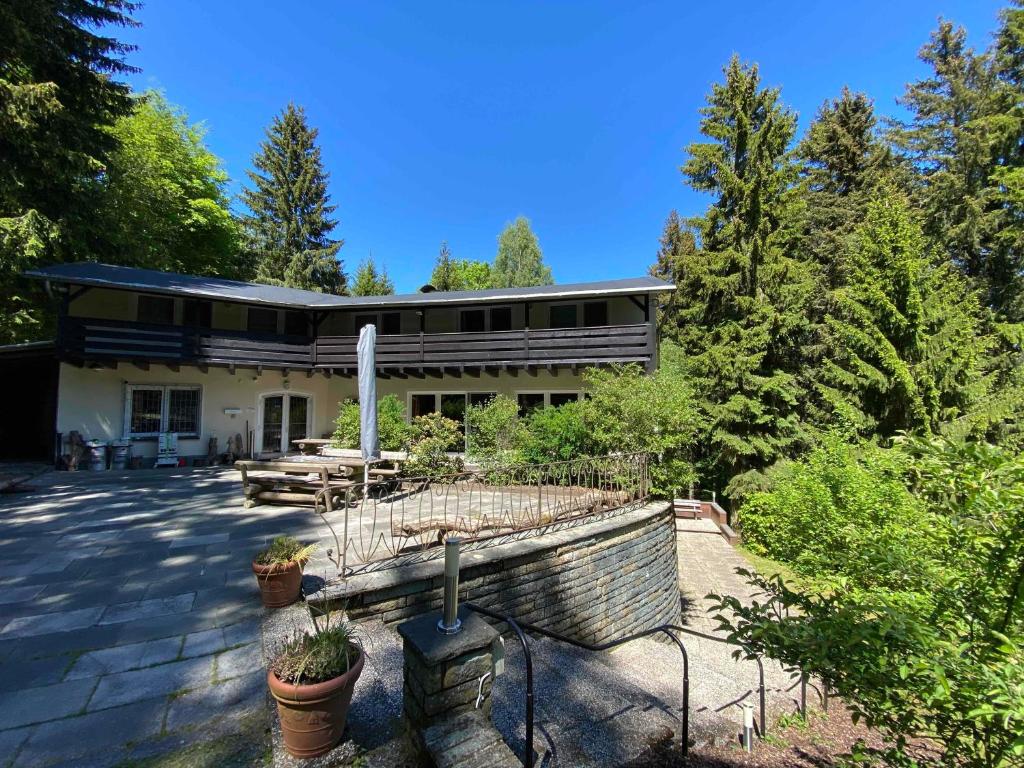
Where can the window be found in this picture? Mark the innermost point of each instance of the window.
(481, 398)
(563, 316)
(421, 405)
(391, 323)
(262, 320)
(387, 323)
(595, 313)
(156, 309)
(556, 399)
(530, 402)
(151, 409)
(295, 324)
(472, 320)
(197, 313)
(501, 319)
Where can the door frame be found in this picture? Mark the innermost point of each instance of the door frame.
(283, 393)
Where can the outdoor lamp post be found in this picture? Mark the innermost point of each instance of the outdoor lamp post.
(450, 623)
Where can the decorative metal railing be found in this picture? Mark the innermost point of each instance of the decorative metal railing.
(396, 521)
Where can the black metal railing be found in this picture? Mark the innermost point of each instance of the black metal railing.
(519, 627)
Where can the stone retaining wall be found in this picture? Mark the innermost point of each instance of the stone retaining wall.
(594, 582)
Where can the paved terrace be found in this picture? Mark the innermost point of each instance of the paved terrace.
(129, 615)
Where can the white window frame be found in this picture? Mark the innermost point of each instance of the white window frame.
(438, 394)
(286, 393)
(548, 393)
(165, 400)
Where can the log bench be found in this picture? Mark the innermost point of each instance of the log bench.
(282, 482)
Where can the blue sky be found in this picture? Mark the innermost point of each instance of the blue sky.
(443, 121)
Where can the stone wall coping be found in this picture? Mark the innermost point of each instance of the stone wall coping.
(375, 581)
(435, 647)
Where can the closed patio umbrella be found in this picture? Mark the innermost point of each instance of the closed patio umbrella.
(366, 356)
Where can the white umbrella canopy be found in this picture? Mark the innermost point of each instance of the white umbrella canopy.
(366, 356)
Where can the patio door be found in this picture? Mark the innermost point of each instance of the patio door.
(285, 417)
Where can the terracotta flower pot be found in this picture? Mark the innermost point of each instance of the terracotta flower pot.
(313, 716)
(280, 585)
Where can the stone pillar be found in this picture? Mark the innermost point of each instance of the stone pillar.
(442, 672)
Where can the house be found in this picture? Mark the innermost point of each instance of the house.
(143, 352)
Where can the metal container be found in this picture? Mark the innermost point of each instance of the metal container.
(120, 454)
(97, 455)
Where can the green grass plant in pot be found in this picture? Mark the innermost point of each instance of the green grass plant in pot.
(278, 570)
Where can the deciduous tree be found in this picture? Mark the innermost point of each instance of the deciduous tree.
(519, 262)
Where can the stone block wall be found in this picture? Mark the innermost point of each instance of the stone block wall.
(595, 582)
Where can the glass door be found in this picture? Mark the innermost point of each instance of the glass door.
(273, 423)
(285, 418)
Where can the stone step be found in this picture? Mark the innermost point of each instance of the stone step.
(468, 740)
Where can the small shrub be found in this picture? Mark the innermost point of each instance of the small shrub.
(284, 550)
(558, 434)
(327, 652)
(434, 436)
(495, 433)
(391, 425)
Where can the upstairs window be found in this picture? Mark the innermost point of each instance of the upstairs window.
(198, 314)
(262, 320)
(158, 310)
(563, 316)
(501, 319)
(150, 409)
(387, 323)
(473, 321)
(295, 324)
(595, 313)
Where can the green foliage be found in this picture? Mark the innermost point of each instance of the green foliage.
(60, 93)
(741, 311)
(164, 201)
(558, 434)
(327, 652)
(289, 224)
(629, 411)
(371, 281)
(912, 612)
(459, 274)
(434, 436)
(392, 428)
(284, 550)
(494, 432)
(519, 262)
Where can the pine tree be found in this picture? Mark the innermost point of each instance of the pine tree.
(443, 276)
(905, 351)
(842, 162)
(370, 281)
(743, 298)
(59, 96)
(676, 250)
(289, 223)
(459, 274)
(519, 262)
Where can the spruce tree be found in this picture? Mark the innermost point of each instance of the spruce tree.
(289, 225)
(519, 262)
(443, 276)
(371, 281)
(677, 248)
(904, 349)
(743, 297)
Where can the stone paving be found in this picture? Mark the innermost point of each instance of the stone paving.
(129, 616)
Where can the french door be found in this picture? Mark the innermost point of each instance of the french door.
(285, 418)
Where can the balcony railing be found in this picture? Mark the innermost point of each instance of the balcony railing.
(89, 339)
(612, 343)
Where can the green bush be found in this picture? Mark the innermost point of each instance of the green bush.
(434, 436)
(557, 434)
(630, 411)
(494, 432)
(911, 606)
(391, 425)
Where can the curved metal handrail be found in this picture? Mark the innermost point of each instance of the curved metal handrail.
(520, 626)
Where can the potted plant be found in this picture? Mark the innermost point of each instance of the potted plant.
(311, 678)
(278, 570)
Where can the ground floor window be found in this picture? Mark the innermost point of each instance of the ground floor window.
(531, 401)
(150, 409)
(450, 404)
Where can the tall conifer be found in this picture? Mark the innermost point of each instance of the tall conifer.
(289, 224)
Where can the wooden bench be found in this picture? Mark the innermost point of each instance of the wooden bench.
(687, 509)
(283, 482)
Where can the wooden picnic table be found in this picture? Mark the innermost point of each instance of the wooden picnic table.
(294, 482)
(311, 445)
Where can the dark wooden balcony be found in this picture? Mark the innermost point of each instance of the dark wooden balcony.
(88, 340)
(92, 341)
(527, 348)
